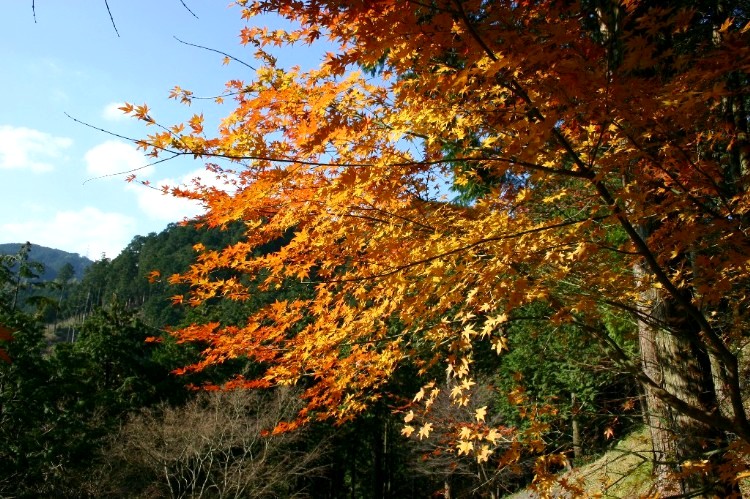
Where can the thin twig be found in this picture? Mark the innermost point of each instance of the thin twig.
(115, 174)
(218, 52)
(106, 4)
(188, 8)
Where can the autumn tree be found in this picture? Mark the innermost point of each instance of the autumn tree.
(605, 144)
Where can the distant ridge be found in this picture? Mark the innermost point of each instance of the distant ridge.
(53, 259)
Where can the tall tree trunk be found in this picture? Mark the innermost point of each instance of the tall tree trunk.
(657, 413)
(575, 427)
(674, 359)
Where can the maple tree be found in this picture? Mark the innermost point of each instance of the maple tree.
(603, 150)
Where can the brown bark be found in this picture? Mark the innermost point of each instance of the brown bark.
(657, 413)
(674, 359)
(575, 427)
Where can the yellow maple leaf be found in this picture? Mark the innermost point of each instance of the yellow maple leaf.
(465, 433)
(493, 436)
(499, 344)
(419, 396)
(424, 432)
(466, 384)
(484, 454)
(456, 391)
(481, 413)
(465, 447)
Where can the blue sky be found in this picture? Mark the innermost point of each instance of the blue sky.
(72, 61)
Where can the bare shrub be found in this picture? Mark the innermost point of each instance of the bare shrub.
(217, 445)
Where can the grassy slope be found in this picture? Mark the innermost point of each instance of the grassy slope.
(623, 472)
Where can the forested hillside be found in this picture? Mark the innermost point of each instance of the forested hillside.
(54, 260)
(108, 367)
(128, 278)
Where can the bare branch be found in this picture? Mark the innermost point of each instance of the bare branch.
(111, 18)
(188, 8)
(218, 52)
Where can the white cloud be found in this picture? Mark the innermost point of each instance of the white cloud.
(25, 148)
(111, 112)
(88, 232)
(165, 207)
(113, 157)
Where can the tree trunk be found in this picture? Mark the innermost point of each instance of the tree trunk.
(575, 427)
(674, 359)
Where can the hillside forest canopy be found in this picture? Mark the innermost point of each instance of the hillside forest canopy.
(482, 237)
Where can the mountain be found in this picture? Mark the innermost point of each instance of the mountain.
(53, 259)
(125, 278)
